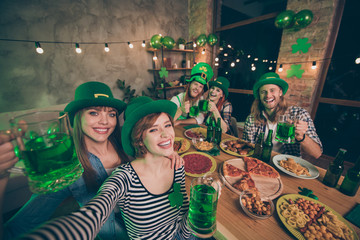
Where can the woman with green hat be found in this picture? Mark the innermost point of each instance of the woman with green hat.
(201, 73)
(94, 115)
(219, 106)
(152, 197)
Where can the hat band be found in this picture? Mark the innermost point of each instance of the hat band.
(202, 75)
(97, 95)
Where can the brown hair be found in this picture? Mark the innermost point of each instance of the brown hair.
(188, 96)
(257, 108)
(140, 127)
(89, 173)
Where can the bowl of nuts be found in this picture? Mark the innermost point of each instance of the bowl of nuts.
(254, 207)
(202, 145)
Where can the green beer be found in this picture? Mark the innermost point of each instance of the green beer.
(194, 111)
(204, 105)
(47, 158)
(285, 132)
(202, 209)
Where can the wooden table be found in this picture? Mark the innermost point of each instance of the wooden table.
(232, 223)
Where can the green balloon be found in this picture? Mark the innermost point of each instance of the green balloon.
(285, 19)
(201, 40)
(156, 41)
(212, 39)
(168, 42)
(303, 18)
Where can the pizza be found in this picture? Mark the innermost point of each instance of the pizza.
(232, 171)
(244, 183)
(257, 167)
(197, 164)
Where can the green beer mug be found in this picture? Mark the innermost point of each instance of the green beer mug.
(204, 193)
(194, 111)
(204, 105)
(46, 147)
(285, 131)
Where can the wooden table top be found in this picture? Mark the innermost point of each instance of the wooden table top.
(233, 223)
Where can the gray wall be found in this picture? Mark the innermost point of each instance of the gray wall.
(30, 80)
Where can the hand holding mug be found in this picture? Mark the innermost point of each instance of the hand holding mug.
(7, 154)
(187, 107)
(212, 106)
(300, 129)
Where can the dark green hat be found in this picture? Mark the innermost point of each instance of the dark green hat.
(136, 110)
(270, 78)
(201, 72)
(222, 83)
(91, 94)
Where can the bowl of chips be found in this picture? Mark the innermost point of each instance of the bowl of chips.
(202, 145)
(255, 207)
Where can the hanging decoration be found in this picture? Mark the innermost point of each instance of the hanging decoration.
(168, 42)
(212, 39)
(288, 19)
(201, 40)
(303, 18)
(302, 46)
(295, 71)
(285, 19)
(156, 41)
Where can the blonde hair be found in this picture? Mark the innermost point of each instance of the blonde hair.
(188, 96)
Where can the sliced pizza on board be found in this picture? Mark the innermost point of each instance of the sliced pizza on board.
(257, 167)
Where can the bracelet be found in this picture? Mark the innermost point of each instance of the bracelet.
(299, 141)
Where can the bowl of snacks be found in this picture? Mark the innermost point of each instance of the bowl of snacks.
(254, 207)
(202, 145)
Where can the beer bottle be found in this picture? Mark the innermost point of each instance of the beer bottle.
(259, 146)
(218, 131)
(267, 148)
(335, 169)
(210, 130)
(351, 182)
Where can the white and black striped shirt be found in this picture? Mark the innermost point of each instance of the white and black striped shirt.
(146, 215)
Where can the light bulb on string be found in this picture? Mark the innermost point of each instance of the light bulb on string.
(249, 56)
(203, 51)
(216, 64)
(107, 49)
(271, 61)
(194, 45)
(313, 65)
(274, 61)
(253, 68)
(221, 48)
(270, 68)
(357, 60)
(155, 57)
(232, 64)
(225, 54)
(237, 60)
(77, 48)
(256, 59)
(280, 68)
(226, 73)
(216, 59)
(229, 46)
(130, 45)
(39, 50)
(143, 44)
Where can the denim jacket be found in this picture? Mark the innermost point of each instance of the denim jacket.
(40, 208)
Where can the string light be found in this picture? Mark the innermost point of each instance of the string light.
(143, 44)
(216, 59)
(130, 45)
(275, 61)
(226, 73)
(107, 49)
(221, 48)
(270, 68)
(77, 48)
(249, 56)
(203, 51)
(237, 60)
(256, 59)
(216, 64)
(229, 46)
(313, 65)
(39, 50)
(357, 60)
(225, 54)
(232, 64)
(280, 68)
(155, 57)
(194, 45)
(253, 68)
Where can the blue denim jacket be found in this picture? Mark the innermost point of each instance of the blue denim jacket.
(40, 208)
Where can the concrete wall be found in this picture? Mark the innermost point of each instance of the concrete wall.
(30, 80)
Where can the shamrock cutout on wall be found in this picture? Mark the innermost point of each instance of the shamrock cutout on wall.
(295, 71)
(302, 46)
(163, 72)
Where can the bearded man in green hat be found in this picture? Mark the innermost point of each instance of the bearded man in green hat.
(269, 103)
(201, 74)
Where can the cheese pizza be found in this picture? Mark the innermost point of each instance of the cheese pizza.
(257, 167)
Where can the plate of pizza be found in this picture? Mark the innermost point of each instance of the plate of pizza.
(251, 174)
(198, 132)
(197, 164)
(236, 147)
(181, 145)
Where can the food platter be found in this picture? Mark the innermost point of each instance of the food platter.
(195, 132)
(295, 231)
(223, 147)
(269, 188)
(313, 171)
(197, 164)
(185, 144)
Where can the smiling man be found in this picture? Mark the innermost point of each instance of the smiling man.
(269, 103)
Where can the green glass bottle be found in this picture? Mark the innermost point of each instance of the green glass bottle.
(335, 169)
(218, 131)
(351, 182)
(267, 148)
(210, 130)
(259, 146)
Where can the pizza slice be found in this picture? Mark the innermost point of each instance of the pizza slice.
(232, 171)
(257, 167)
(245, 183)
(251, 163)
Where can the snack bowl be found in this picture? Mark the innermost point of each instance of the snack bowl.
(249, 198)
(202, 145)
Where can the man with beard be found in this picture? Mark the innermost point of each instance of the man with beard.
(269, 103)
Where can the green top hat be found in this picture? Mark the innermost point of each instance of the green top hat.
(91, 94)
(201, 72)
(137, 109)
(270, 78)
(222, 83)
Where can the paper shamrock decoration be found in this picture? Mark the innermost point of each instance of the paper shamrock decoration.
(295, 71)
(302, 46)
(176, 198)
(163, 72)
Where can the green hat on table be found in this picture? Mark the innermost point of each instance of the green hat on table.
(137, 109)
(91, 94)
(222, 83)
(270, 78)
(202, 73)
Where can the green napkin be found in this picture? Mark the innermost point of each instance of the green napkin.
(191, 126)
(354, 216)
(214, 152)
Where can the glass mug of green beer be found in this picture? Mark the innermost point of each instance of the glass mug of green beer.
(285, 131)
(204, 105)
(204, 192)
(194, 111)
(47, 149)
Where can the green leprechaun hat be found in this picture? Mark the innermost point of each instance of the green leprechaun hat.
(270, 78)
(138, 108)
(201, 72)
(222, 83)
(91, 94)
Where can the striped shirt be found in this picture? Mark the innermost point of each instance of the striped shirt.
(146, 215)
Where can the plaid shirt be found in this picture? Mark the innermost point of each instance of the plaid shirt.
(225, 113)
(253, 129)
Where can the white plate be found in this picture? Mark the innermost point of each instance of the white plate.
(314, 172)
